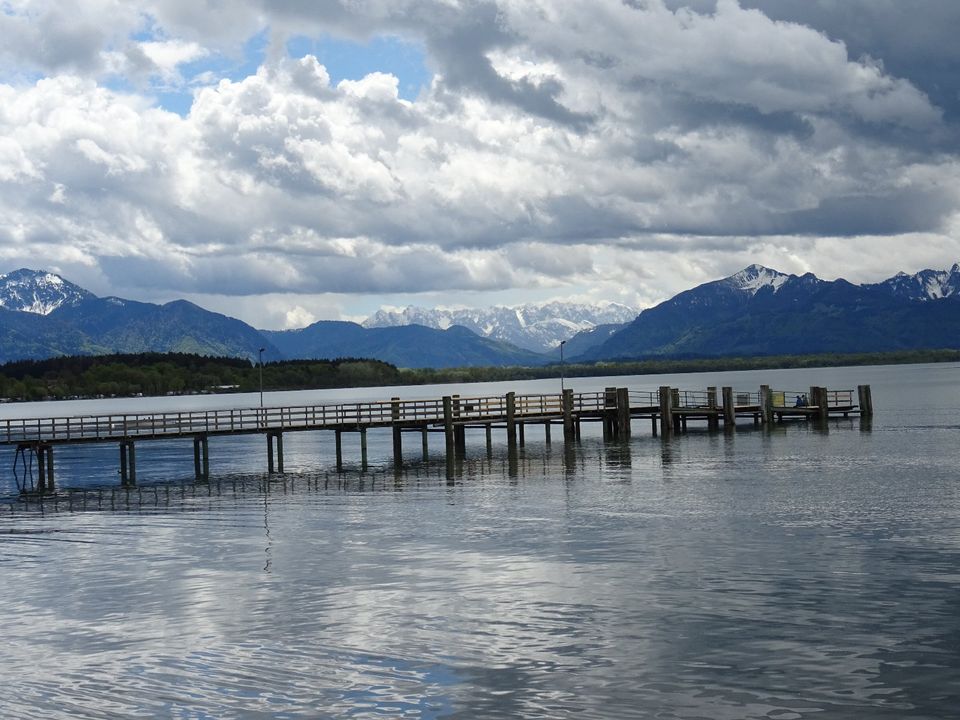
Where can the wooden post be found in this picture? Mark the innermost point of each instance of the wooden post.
(609, 413)
(280, 452)
(823, 403)
(566, 401)
(546, 431)
(448, 424)
(766, 405)
(338, 434)
(511, 418)
(270, 464)
(363, 448)
(397, 431)
(41, 469)
(865, 400)
(666, 411)
(678, 420)
(520, 430)
(425, 443)
(196, 458)
(729, 409)
(713, 419)
(51, 486)
(623, 413)
(128, 464)
(488, 431)
(201, 458)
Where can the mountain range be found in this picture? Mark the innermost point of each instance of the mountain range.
(757, 311)
(537, 328)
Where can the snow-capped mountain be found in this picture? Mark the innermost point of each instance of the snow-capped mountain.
(536, 327)
(755, 277)
(759, 311)
(924, 285)
(38, 292)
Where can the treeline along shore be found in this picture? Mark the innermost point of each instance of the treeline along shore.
(152, 374)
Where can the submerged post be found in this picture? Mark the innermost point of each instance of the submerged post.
(338, 435)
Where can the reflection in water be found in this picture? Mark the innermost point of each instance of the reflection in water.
(731, 575)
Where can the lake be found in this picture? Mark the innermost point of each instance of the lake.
(801, 572)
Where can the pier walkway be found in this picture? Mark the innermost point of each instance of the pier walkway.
(669, 411)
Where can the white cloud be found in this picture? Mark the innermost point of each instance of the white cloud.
(611, 147)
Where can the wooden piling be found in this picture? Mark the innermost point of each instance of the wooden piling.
(424, 442)
(546, 432)
(666, 411)
(274, 456)
(678, 420)
(766, 405)
(623, 413)
(609, 413)
(363, 448)
(397, 431)
(45, 478)
(338, 435)
(823, 403)
(511, 401)
(201, 458)
(729, 409)
(865, 400)
(448, 424)
(713, 419)
(128, 464)
(566, 403)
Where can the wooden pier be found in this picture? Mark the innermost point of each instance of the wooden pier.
(669, 411)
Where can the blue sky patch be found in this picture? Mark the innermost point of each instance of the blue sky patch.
(349, 60)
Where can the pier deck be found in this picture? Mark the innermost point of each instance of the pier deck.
(668, 409)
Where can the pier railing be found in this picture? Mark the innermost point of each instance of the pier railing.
(388, 412)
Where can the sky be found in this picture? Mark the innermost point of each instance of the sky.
(287, 161)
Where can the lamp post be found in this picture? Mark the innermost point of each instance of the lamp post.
(562, 343)
(261, 378)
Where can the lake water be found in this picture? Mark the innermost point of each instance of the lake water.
(802, 572)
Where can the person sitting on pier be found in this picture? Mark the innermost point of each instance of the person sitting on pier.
(801, 401)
